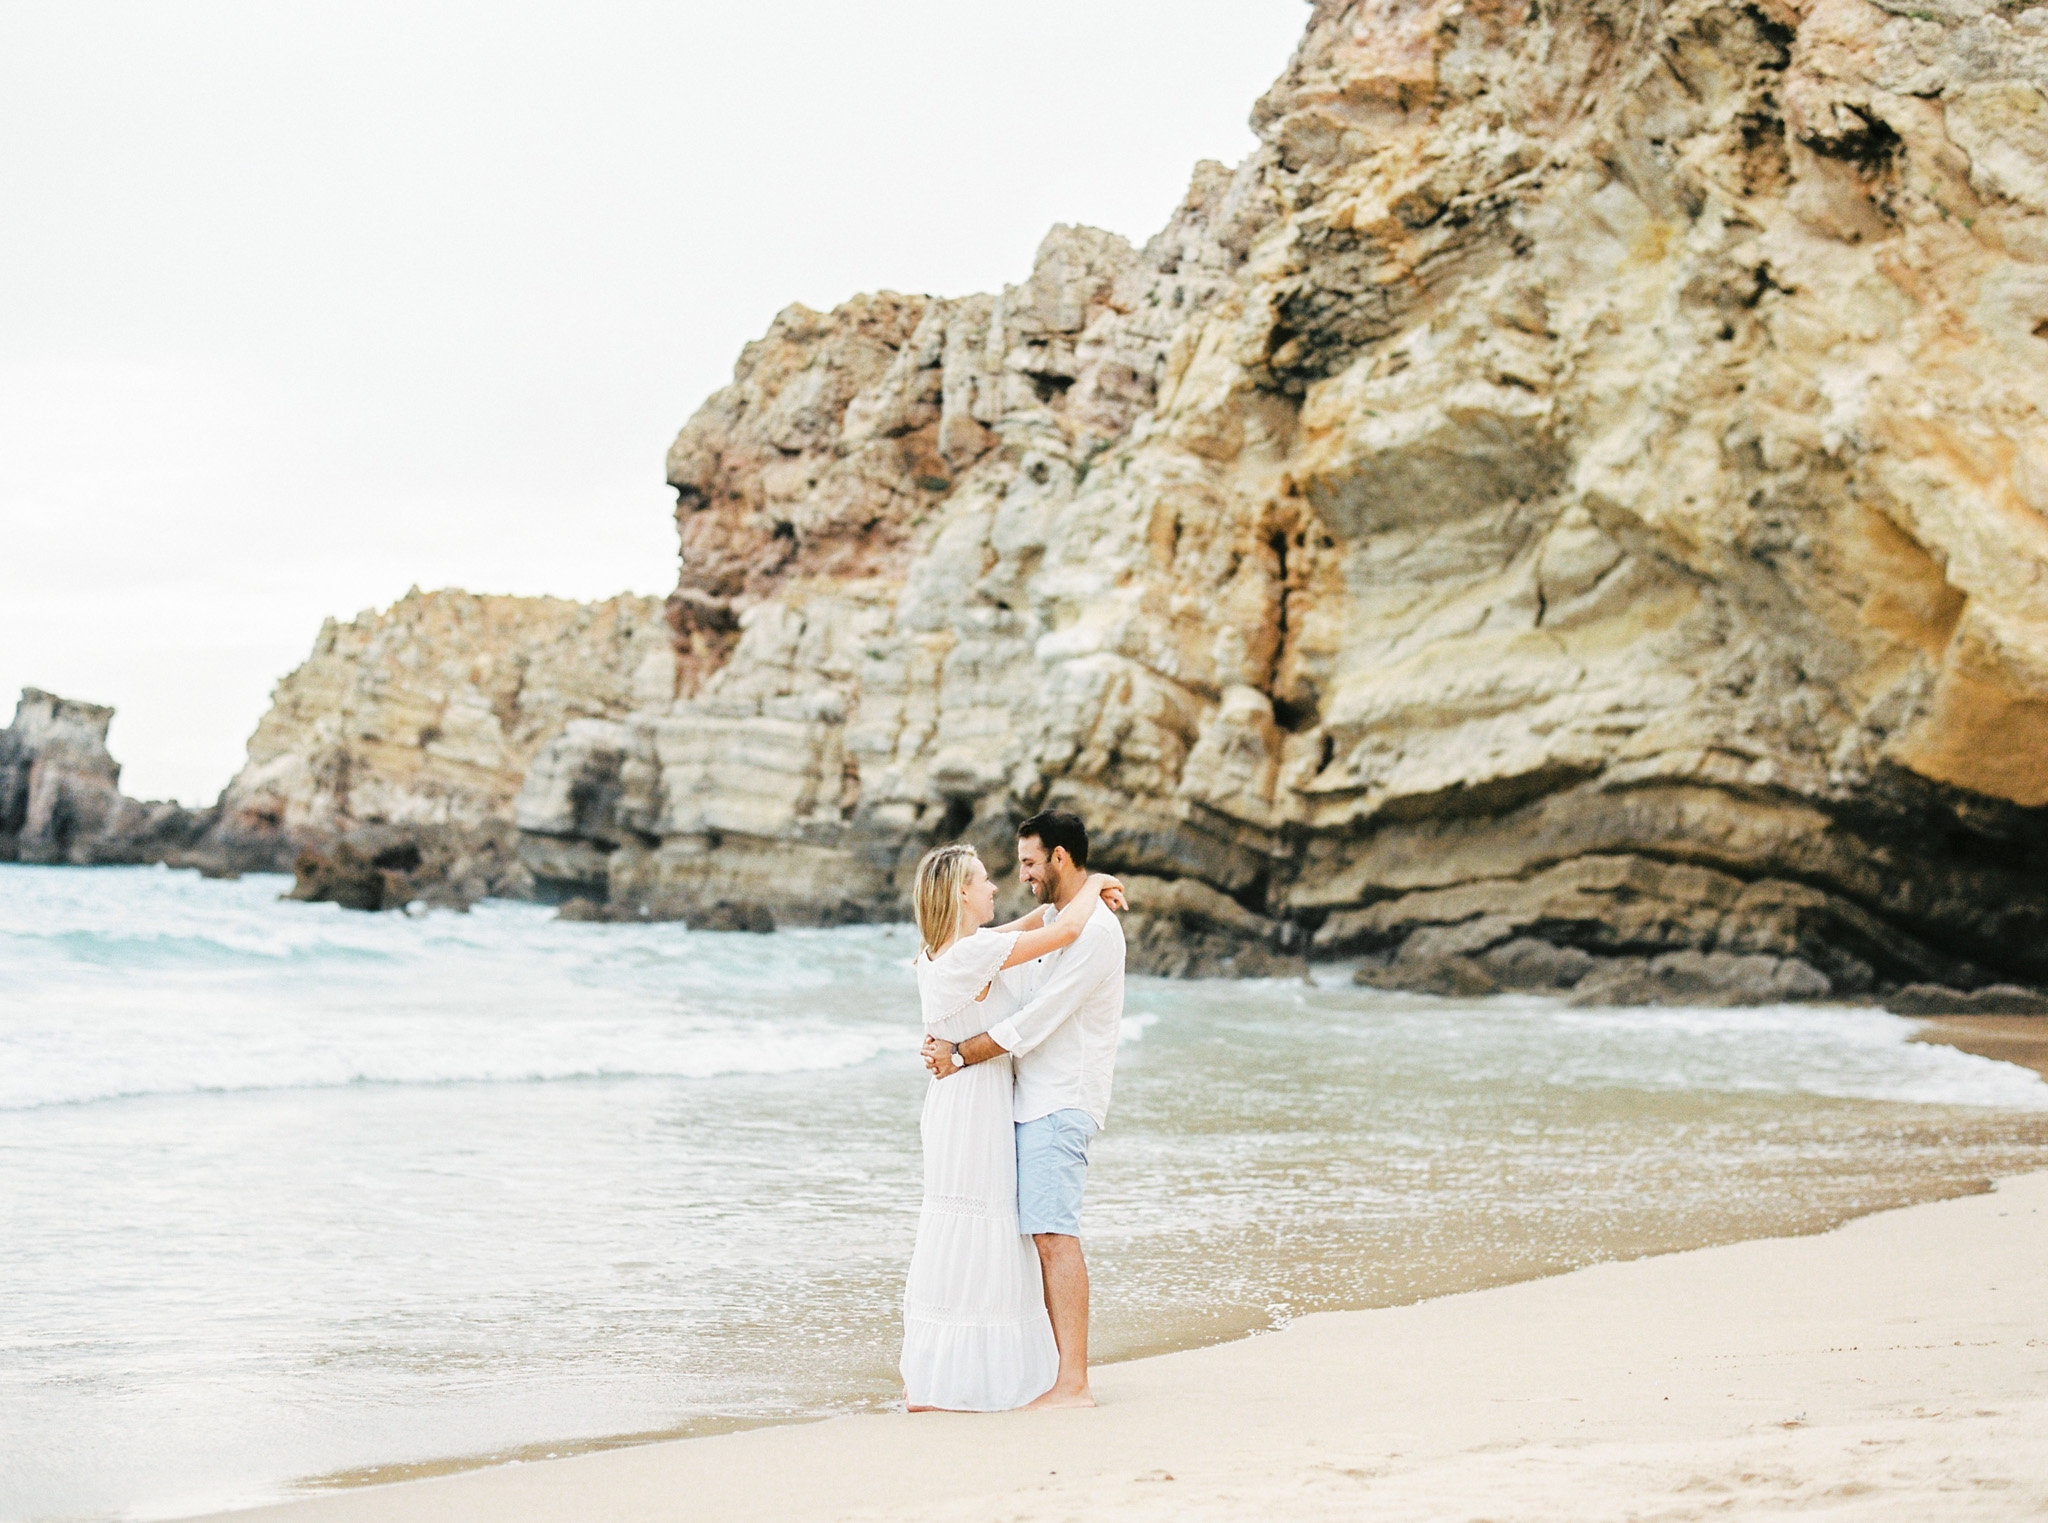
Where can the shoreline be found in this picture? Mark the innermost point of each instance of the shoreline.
(1894, 1366)
(2021, 1040)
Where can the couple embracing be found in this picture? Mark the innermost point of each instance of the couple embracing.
(1021, 1026)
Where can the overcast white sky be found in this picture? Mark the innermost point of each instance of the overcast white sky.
(303, 303)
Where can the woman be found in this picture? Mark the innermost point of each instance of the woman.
(975, 1334)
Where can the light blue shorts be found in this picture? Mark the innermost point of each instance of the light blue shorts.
(1052, 1168)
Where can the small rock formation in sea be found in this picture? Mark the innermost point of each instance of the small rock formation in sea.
(386, 769)
(61, 798)
(1569, 512)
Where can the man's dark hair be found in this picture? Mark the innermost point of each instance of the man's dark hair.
(1056, 828)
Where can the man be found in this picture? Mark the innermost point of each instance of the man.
(1064, 1041)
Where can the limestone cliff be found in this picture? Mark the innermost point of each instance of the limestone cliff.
(407, 734)
(1571, 510)
(60, 792)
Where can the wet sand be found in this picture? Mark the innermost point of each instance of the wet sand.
(1894, 1368)
(2020, 1039)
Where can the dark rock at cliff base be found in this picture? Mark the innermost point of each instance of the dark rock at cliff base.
(1477, 957)
(388, 867)
(727, 916)
(1532, 964)
(1427, 965)
(345, 876)
(1183, 928)
(565, 869)
(1164, 950)
(1701, 978)
(1937, 999)
(1453, 976)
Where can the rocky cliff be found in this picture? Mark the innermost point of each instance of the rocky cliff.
(61, 798)
(1570, 511)
(387, 765)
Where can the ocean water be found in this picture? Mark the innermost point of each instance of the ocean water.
(292, 1197)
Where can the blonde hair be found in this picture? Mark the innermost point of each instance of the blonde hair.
(943, 873)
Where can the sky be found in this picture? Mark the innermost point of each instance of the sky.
(303, 304)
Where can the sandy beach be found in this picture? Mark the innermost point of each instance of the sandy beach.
(1896, 1367)
(2020, 1039)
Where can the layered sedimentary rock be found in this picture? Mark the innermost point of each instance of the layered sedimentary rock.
(61, 798)
(388, 764)
(1570, 511)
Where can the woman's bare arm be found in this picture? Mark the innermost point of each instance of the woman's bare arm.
(1026, 922)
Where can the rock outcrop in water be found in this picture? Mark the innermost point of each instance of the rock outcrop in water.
(61, 798)
(386, 768)
(1571, 511)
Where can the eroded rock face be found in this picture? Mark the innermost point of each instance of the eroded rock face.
(1582, 484)
(406, 736)
(60, 792)
(395, 867)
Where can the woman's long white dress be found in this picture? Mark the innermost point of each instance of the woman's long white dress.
(975, 1333)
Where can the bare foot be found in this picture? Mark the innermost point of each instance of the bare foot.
(1058, 1398)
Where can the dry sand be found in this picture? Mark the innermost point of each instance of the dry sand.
(1895, 1368)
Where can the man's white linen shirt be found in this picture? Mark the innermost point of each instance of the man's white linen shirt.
(1063, 1041)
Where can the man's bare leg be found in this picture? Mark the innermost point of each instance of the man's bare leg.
(1066, 1302)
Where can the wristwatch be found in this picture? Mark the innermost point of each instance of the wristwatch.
(958, 1061)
